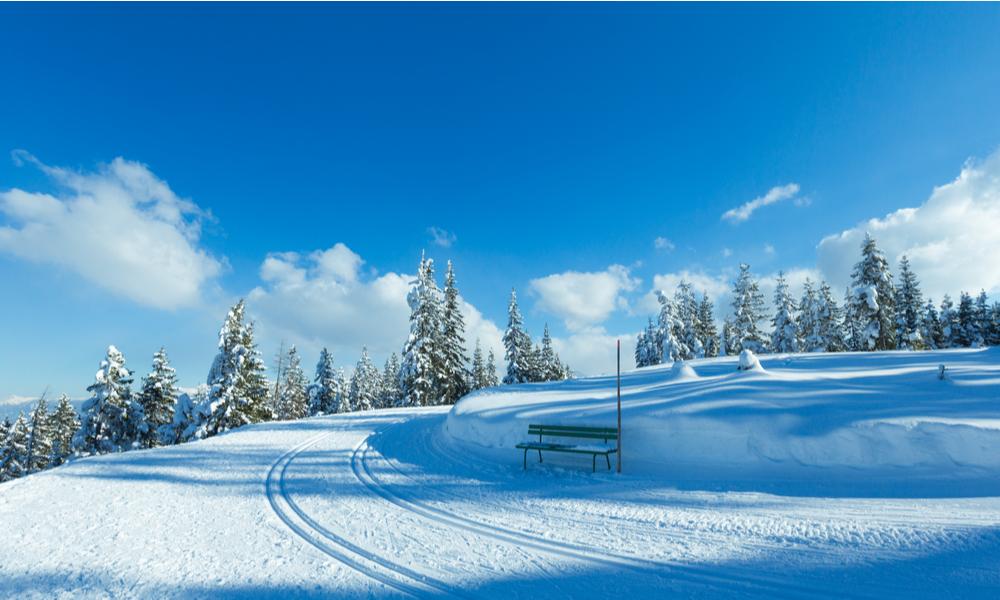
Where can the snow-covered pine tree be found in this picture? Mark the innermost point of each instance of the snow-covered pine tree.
(641, 358)
(157, 397)
(994, 336)
(785, 332)
(873, 299)
(551, 367)
(707, 332)
(343, 393)
(5, 430)
(420, 371)
(477, 377)
(930, 326)
(238, 390)
(39, 446)
(909, 308)
(390, 393)
(809, 330)
(106, 424)
(748, 314)
(688, 322)
(293, 399)
(984, 319)
(968, 325)
(727, 339)
(454, 373)
(323, 391)
(517, 345)
(948, 318)
(648, 346)
(667, 325)
(63, 423)
(491, 379)
(830, 318)
(366, 384)
(14, 449)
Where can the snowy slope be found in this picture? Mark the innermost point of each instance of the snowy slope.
(867, 420)
(389, 503)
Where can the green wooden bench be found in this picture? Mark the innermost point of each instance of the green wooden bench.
(571, 431)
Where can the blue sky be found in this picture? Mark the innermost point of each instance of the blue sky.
(553, 144)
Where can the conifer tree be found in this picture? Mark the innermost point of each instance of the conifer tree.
(158, 398)
(343, 392)
(993, 338)
(930, 326)
(39, 446)
(830, 319)
(670, 349)
(390, 383)
(727, 339)
(984, 319)
(491, 379)
(293, 399)
(909, 308)
(808, 322)
(748, 314)
(785, 328)
(420, 372)
(106, 424)
(366, 384)
(707, 332)
(873, 299)
(238, 390)
(323, 391)
(687, 322)
(518, 347)
(477, 378)
(551, 366)
(63, 424)
(949, 323)
(455, 375)
(967, 334)
(14, 450)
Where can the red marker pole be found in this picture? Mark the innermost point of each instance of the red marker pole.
(619, 384)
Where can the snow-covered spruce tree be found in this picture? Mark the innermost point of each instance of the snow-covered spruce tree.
(809, 330)
(518, 350)
(984, 319)
(420, 371)
(993, 338)
(728, 344)
(909, 308)
(323, 391)
(108, 417)
(158, 397)
(491, 379)
(238, 390)
(948, 318)
(293, 400)
(551, 367)
(667, 325)
(967, 334)
(343, 392)
(748, 314)
(830, 318)
(688, 325)
(707, 332)
(930, 326)
(63, 424)
(390, 393)
(477, 376)
(14, 449)
(785, 329)
(366, 384)
(641, 351)
(454, 373)
(39, 448)
(873, 299)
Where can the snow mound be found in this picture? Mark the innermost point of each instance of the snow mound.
(682, 370)
(814, 417)
(748, 361)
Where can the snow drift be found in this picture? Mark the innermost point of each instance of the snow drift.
(796, 416)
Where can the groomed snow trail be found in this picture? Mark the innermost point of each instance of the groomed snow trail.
(385, 504)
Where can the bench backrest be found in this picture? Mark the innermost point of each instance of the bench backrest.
(573, 431)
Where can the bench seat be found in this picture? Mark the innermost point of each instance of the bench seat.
(604, 434)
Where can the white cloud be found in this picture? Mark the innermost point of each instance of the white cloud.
(776, 194)
(584, 299)
(662, 243)
(324, 298)
(120, 227)
(441, 237)
(952, 239)
(769, 250)
(592, 351)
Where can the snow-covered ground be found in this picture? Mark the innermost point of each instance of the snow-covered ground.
(398, 503)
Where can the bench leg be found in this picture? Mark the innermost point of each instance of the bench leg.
(608, 458)
(525, 459)
(593, 467)
(539, 456)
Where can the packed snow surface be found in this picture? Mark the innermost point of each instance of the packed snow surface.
(394, 503)
(885, 421)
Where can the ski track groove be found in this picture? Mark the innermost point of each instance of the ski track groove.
(420, 588)
(680, 571)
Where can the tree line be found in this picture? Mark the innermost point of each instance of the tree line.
(434, 370)
(878, 313)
